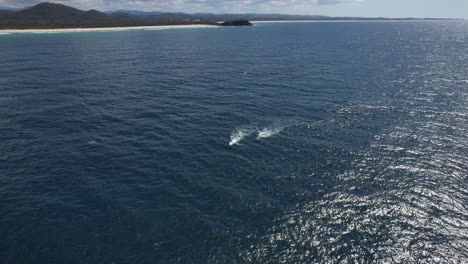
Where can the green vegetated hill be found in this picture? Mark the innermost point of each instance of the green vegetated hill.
(49, 15)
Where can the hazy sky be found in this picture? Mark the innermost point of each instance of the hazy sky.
(387, 8)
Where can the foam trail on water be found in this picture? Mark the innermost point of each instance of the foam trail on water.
(238, 135)
(268, 132)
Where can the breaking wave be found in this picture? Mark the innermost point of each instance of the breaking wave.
(240, 134)
(268, 132)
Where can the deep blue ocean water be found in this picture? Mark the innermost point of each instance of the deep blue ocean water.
(279, 143)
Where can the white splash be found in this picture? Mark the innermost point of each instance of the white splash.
(268, 132)
(238, 135)
(4, 33)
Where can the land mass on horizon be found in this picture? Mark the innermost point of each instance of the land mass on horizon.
(58, 16)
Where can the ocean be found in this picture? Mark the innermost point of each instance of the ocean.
(279, 143)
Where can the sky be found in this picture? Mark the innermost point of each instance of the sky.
(363, 8)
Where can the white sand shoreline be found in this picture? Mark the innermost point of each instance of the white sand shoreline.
(71, 30)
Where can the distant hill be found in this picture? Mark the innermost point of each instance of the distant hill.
(7, 10)
(252, 16)
(135, 12)
(51, 15)
(182, 15)
(48, 11)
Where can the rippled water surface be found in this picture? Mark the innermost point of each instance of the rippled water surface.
(280, 143)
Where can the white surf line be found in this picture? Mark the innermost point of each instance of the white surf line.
(72, 30)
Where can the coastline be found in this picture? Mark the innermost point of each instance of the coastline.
(72, 30)
(318, 21)
(161, 27)
(349, 20)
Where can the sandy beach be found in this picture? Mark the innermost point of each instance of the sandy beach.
(71, 30)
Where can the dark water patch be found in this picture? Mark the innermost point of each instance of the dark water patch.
(282, 143)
